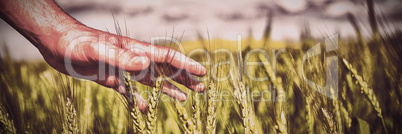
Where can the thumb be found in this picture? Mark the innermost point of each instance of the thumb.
(121, 58)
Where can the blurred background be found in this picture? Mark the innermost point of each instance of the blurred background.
(223, 18)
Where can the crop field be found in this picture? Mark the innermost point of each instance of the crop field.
(341, 85)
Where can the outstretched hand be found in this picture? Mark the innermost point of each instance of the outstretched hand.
(77, 50)
(82, 51)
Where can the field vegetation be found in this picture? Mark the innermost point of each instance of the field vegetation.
(34, 98)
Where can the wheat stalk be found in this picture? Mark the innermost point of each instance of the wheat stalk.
(368, 92)
(346, 117)
(136, 116)
(196, 114)
(225, 114)
(337, 113)
(277, 82)
(152, 111)
(6, 122)
(364, 88)
(330, 121)
(310, 117)
(279, 107)
(133, 108)
(355, 25)
(241, 99)
(372, 19)
(241, 96)
(188, 124)
(244, 108)
(366, 50)
(344, 111)
(211, 108)
(71, 117)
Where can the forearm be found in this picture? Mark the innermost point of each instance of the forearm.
(37, 20)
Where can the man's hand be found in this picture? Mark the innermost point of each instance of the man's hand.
(82, 51)
(74, 49)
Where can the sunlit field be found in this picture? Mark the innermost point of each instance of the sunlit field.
(327, 85)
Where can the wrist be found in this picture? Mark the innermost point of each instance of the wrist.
(52, 37)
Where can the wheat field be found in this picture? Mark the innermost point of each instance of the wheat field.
(37, 99)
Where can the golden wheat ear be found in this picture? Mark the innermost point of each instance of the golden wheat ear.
(70, 123)
(187, 123)
(153, 106)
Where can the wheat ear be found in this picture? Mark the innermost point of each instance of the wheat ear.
(135, 112)
(211, 107)
(279, 107)
(330, 121)
(6, 122)
(364, 88)
(71, 117)
(196, 114)
(241, 95)
(368, 92)
(188, 124)
(152, 111)
(241, 99)
(136, 116)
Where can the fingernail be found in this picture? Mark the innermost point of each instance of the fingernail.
(144, 60)
(182, 97)
(143, 106)
(203, 70)
(199, 88)
(121, 89)
(199, 67)
(139, 61)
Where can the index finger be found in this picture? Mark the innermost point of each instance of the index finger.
(160, 54)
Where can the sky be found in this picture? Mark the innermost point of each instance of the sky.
(220, 18)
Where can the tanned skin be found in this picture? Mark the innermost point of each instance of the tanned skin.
(66, 43)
